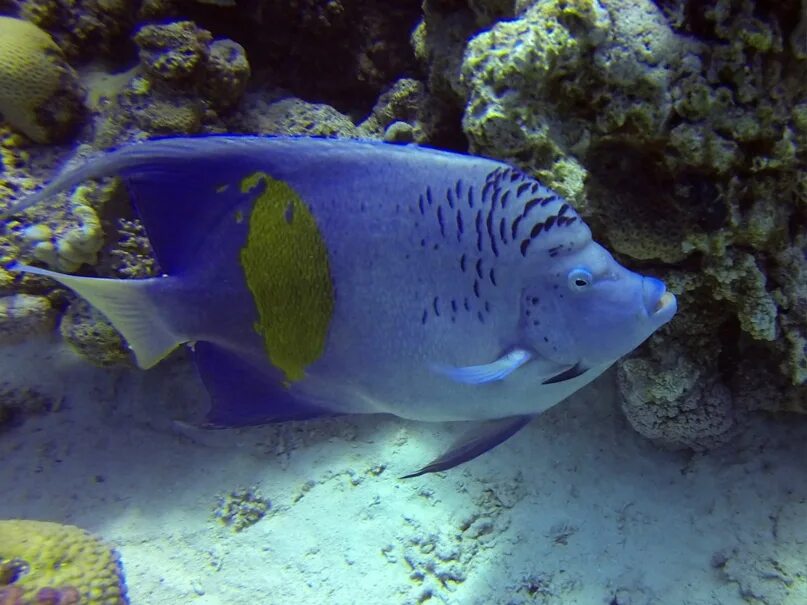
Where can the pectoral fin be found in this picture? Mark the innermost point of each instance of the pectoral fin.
(489, 372)
(474, 443)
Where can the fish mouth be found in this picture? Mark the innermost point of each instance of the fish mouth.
(660, 303)
(665, 302)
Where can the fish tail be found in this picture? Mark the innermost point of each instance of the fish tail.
(128, 304)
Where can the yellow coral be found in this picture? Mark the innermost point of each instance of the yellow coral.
(38, 93)
(39, 555)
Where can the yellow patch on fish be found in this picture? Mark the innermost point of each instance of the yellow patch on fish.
(286, 266)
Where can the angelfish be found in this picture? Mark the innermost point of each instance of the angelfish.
(317, 277)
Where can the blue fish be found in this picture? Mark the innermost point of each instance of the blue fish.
(317, 277)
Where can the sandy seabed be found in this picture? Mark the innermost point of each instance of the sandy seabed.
(576, 509)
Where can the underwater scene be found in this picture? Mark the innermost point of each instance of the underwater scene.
(375, 302)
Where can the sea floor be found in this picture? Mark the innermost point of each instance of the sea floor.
(576, 509)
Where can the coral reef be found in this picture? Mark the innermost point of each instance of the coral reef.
(39, 92)
(241, 508)
(43, 562)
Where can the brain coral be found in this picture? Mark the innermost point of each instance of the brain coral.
(43, 562)
(39, 93)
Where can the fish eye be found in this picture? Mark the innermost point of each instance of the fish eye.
(579, 279)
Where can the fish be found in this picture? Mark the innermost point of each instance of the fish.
(318, 277)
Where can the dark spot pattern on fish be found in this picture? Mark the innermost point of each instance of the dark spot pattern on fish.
(450, 198)
(492, 275)
(504, 199)
(486, 190)
(436, 306)
(494, 198)
(429, 197)
(441, 221)
(479, 267)
(514, 227)
(460, 226)
(489, 226)
(462, 263)
(502, 230)
(424, 317)
(476, 288)
(453, 305)
(458, 189)
(479, 231)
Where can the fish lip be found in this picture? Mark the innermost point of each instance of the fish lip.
(658, 302)
(664, 303)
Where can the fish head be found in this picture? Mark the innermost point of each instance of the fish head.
(583, 307)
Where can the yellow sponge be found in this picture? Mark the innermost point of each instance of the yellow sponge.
(39, 93)
(40, 559)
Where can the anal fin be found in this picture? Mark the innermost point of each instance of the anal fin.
(245, 393)
(474, 443)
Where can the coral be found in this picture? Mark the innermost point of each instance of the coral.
(84, 29)
(542, 88)
(185, 83)
(293, 116)
(39, 93)
(226, 75)
(23, 316)
(44, 562)
(241, 508)
(68, 235)
(173, 51)
(401, 104)
(739, 279)
(674, 402)
(93, 337)
(132, 257)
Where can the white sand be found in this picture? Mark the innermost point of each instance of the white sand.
(575, 509)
